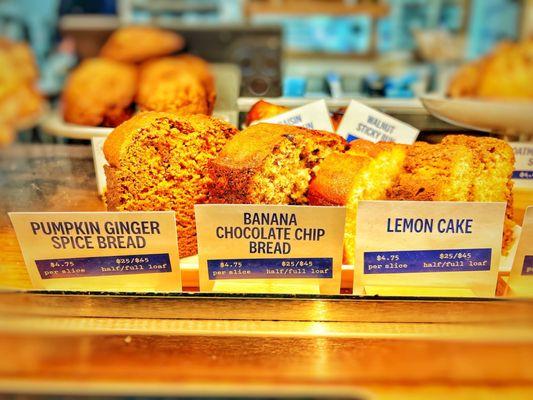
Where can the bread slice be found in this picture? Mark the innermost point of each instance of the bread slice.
(494, 164)
(435, 173)
(157, 161)
(364, 172)
(270, 164)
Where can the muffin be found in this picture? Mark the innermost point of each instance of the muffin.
(135, 44)
(100, 92)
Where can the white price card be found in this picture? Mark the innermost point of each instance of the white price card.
(269, 248)
(420, 248)
(521, 277)
(100, 251)
(314, 115)
(363, 122)
(97, 144)
(523, 166)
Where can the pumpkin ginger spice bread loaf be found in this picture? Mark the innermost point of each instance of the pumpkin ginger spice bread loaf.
(157, 161)
(270, 164)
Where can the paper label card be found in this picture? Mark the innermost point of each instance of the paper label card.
(97, 144)
(314, 115)
(269, 248)
(364, 122)
(101, 251)
(523, 167)
(521, 277)
(428, 248)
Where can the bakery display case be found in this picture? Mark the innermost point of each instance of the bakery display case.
(204, 211)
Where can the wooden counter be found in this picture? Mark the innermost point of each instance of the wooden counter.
(276, 346)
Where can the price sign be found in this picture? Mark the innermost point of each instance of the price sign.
(428, 248)
(102, 251)
(521, 277)
(364, 122)
(523, 167)
(269, 248)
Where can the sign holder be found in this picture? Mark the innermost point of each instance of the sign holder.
(520, 282)
(250, 248)
(445, 249)
(100, 251)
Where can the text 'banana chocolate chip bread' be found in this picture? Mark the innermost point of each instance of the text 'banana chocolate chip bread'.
(157, 161)
(270, 164)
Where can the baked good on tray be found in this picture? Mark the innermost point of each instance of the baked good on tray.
(181, 84)
(506, 73)
(157, 161)
(270, 164)
(100, 92)
(494, 164)
(262, 110)
(461, 168)
(435, 173)
(134, 44)
(365, 171)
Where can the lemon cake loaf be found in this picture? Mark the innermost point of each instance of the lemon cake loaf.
(494, 164)
(364, 172)
(157, 161)
(270, 164)
(435, 172)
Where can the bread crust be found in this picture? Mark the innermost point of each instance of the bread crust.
(134, 44)
(333, 182)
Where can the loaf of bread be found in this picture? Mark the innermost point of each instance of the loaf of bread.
(100, 92)
(270, 164)
(134, 44)
(435, 173)
(157, 161)
(493, 169)
(364, 172)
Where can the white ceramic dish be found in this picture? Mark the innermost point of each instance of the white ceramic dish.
(496, 116)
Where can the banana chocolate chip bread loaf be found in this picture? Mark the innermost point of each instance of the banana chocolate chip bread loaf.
(270, 164)
(157, 161)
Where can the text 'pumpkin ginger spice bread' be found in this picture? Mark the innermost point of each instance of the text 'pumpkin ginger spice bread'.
(157, 161)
